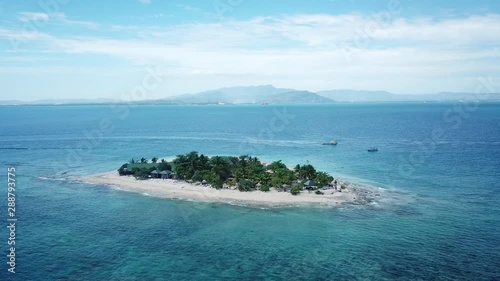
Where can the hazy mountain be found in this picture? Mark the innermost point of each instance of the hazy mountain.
(236, 95)
(272, 95)
(253, 95)
(356, 96)
(383, 96)
(299, 97)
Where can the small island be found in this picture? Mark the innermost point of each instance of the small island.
(228, 179)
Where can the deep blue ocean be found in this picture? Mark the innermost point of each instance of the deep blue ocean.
(437, 173)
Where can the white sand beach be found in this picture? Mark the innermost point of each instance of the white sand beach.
(186, 191)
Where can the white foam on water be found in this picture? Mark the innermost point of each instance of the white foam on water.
(51, 178)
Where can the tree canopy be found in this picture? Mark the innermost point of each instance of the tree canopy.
(246, 172)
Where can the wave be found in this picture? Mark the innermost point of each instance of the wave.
(52, 178)
(31, 148)
(70, 180)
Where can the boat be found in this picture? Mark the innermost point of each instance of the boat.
(372, 149)
(332, 142)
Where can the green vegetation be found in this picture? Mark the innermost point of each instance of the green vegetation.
(143, 173)
(187, 165)
(164, 166)
(245, 172)
(295, 190)
(121, 170)
(265, 188)
(323, 178)
(306, 172)
(246, 185)
(198, 176)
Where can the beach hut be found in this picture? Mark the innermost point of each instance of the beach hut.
(285, 187)
(155, 174)
(309, 184)
(165, 174)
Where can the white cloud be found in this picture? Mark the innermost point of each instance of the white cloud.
(30, 16)
(39, 20)
(24, 35)
(188, 8)
(307, 51)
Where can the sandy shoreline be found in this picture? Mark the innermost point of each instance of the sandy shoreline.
(186, 191)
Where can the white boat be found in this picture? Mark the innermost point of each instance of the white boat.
(332, 142)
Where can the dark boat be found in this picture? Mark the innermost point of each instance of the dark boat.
(372, 149)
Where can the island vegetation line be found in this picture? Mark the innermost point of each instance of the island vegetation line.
(244, 173)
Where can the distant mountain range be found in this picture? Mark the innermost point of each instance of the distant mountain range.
(268, 94)
(383, 96)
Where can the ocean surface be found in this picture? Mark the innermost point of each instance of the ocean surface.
(436, 215)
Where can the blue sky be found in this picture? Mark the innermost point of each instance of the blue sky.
(103, 49)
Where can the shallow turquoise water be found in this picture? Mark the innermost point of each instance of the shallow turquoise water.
(437, 216)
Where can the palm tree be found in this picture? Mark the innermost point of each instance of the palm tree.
(144, 160)
(240, 170)
(132, 161)
(154, 159)
(220, 167)
(277, 165)
(182, 166)
(203, 162)
(323, 178)
(255, 169)
(297, 168)
(307, 172)
(263, 177)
